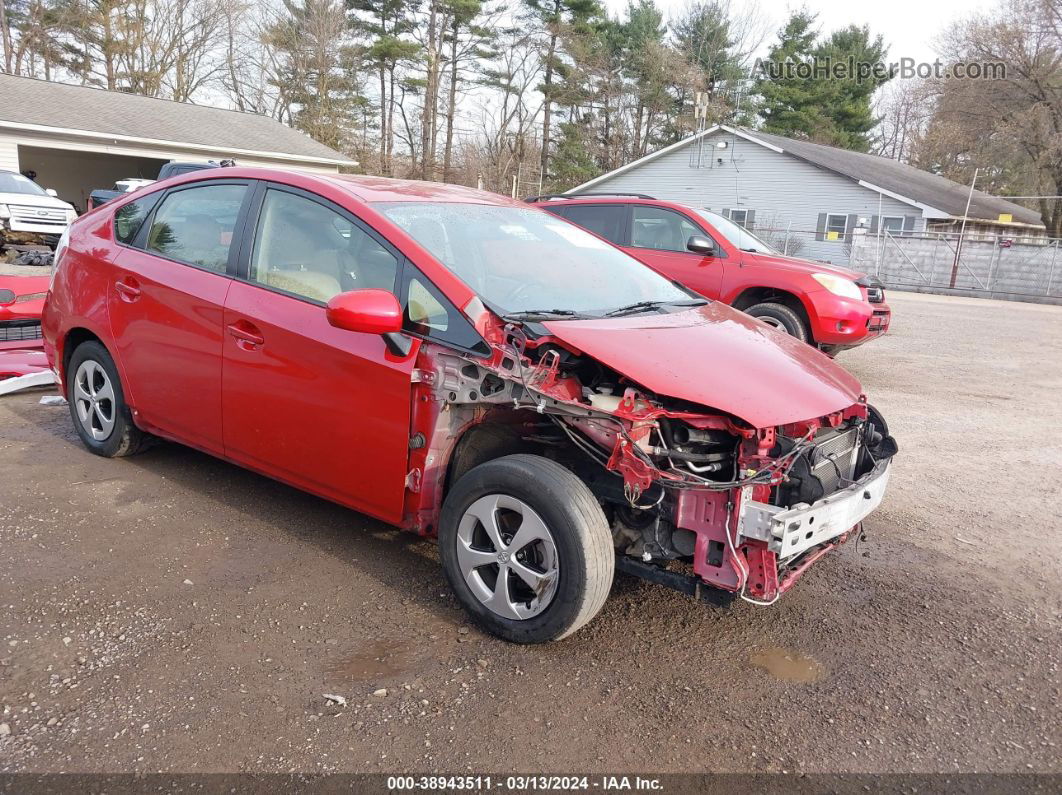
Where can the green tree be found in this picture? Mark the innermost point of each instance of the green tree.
(817, 104)
(790, 104)
(555, 17)
(388, 24)
(702, 35)
(573, 163)
(847, 104)
(317, 69)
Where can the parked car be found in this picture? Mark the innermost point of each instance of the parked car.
(21, 304)
(468, 367)
(130, 184)
(31, 217)
(828, 306)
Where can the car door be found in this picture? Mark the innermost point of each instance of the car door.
(319, 407)
(659, 235)
(166, 305)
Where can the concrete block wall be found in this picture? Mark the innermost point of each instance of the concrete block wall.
(1018, 272)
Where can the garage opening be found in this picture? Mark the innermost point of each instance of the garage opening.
(74, 174)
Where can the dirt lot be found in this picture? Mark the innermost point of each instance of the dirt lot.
(170, 612)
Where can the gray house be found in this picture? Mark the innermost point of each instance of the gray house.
(808, 199)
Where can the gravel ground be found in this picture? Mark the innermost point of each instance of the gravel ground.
(170, 612)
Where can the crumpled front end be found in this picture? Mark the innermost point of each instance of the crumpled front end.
(695, 496)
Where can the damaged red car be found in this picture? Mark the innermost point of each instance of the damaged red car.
(468, 367)
(21, 304)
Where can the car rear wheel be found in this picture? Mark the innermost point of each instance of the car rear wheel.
(97, 404)
(780, 317)
(526, 548)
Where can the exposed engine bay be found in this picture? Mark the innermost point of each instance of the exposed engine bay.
(695, 497)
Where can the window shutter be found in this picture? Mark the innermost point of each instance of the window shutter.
(750, 219)
(853, 219)
(874, 220)
(725, 213)
(909, 223)
(820, 229)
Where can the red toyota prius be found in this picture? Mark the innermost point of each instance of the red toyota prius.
(468, 367)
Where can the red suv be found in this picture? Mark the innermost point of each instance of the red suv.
(825, 305)
(468, 367)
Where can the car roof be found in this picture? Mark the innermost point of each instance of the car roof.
(628, 198)
(365, 188)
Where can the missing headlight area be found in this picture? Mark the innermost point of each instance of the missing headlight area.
(697, 498)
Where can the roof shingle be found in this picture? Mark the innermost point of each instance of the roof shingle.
(900, 178)
(25, 100)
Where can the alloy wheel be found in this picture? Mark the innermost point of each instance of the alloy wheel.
(507, 556)
(94, 400)
(773, 322)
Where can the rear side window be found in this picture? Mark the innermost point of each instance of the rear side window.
(606, 220)
(130, 217)
(196, 225)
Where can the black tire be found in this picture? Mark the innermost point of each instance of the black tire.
(781, 317)
(585, 558)
(124, 438)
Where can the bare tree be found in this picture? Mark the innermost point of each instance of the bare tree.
(1009, 127)
(904, 108)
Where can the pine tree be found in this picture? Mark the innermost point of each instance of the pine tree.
(388, 24)
(791, 104)
(818, 105)
(847, 103)
(702, 34)
(555, 16)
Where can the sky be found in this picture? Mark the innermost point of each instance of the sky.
(908, 26)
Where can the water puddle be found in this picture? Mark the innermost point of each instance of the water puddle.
(377, 659)
(788, 665)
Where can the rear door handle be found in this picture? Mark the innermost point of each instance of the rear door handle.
(128, 290)
(247, 336)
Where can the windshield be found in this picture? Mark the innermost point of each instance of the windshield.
(739, 237)
(523, 260)
(11, 182)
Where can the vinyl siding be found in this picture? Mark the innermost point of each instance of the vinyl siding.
(784, 191)
(8, 154)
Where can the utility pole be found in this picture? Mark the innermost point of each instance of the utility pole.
(962, 231)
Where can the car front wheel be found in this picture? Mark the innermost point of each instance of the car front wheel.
(780, 317)
(526, 548)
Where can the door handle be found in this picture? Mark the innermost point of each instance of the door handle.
(127, 290)
(246, 335)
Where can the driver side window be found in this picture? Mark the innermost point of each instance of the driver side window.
(661, 229)
(305, 248)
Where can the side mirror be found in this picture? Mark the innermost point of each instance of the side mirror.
(699, 244)
(367, 311)
(51, 192)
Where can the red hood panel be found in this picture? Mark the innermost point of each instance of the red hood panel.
(720, 358)
(798, 265)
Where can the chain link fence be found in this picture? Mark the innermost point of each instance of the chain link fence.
(976, 264)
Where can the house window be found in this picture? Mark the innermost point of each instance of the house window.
(893, 224)
(739, 217)
(836, 226)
